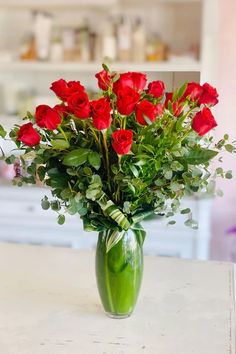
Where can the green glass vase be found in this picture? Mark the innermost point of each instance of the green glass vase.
(119, 273)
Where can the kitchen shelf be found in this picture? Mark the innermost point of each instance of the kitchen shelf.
(61, 4)
(35, 4)
(167, 66)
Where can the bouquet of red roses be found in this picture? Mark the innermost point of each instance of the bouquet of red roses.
(133, 151)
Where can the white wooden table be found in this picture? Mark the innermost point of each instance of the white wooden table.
(49, 305)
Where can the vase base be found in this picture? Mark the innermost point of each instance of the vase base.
(118, 316)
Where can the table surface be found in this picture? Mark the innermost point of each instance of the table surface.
(49, 305)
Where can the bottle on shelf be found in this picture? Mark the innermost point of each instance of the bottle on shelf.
(108, 41)
(156, 49)
(68, 43)
(56, 48)
(28, 48)
(42, 34)
(139, 42)
(84, 42)
(124, 39)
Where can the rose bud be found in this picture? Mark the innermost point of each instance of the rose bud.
(62, 110)
(145, 109)
(177, 107)
(28, 135)
(104, 80)
(101, 113)
(122, 141)
(203, 121)
(193, 92)
(136, 81)
(209, 95)
(65, 89)
(127, 99)
(156, 89)
(79, 105)
(47, 117)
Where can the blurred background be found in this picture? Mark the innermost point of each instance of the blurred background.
(172, 40)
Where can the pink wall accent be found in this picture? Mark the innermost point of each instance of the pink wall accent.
(224, 209)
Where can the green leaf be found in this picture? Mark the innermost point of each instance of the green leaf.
(60, 144)
(115, 77)
(131, 187)
(10, 159)
(168, 174)
(229, 148)
(147, 120)
(113, 239)
(105, 67)
(137, 218)
(226, 137)
(66, 193)
(179, 123)
(186, 211)
(200, 156)
(110, 209)
(140, 233)
(172, 222)
(229, 174)
(94, 159)
(134, 170)
(3, 132)
(45, 204)
(55, 205)
(76, 157)
(219, 171)
(175, 186)
(196, 172)
(61, 219)
(74, 206)
(181, 91)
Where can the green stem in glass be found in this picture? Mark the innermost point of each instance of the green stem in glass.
(119, 273)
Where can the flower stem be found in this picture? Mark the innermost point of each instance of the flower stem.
(62, 132)
(104, 134)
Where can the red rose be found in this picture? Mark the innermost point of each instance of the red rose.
(47, 117)
(203, 121)
(136, 81)
(122, 141)
(127, 99)
(79, 105)
(145, 109)
(177, 108)
(209, 95)
(62, 110)
(156, 88)
(101, 113)
(28, 135)
(63, 89)
(104, 80)
(193, 91)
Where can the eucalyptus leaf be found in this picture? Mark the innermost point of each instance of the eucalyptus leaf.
(61, 219)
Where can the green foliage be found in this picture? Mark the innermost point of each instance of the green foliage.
(3, 133)
(167, 161)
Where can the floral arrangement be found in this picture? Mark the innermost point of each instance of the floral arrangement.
(132, 152)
